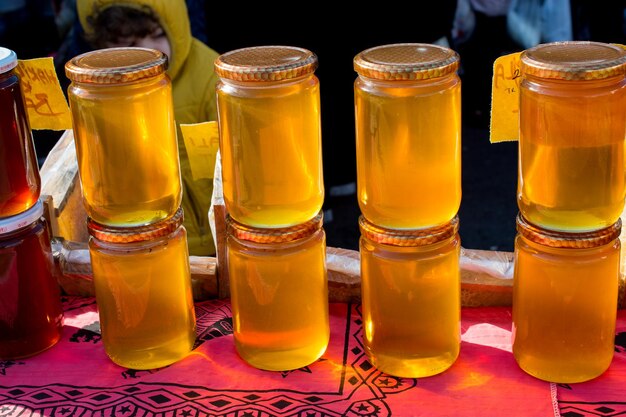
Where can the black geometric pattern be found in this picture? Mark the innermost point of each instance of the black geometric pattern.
(360, 389)
(595, 409)
(5, 365)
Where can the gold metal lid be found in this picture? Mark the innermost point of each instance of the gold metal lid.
(277, 235)
(116, 65)
(406, 61)
(265, 63)
(408, 237)
(574, 61)
(556, 239)
(135, 234)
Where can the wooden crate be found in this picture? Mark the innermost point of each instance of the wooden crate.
(486, 276)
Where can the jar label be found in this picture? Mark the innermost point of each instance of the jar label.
(202, 143)
(505, 99)
(43, 97)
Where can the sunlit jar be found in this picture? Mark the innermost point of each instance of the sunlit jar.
(572, 128)
(410, 295)
(279, 294)
(565, 301)
(143, 290)
(31, 316)
(270, 135)
(408, 135)
(20, 184)
(123, 118)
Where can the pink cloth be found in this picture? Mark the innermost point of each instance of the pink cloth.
(76, 378)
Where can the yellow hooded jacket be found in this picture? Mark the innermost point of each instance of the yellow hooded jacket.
(193, 90)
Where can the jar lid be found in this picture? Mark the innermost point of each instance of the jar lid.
(408, 237)
(266, 63)
(556, 239)
(135, 234)
(574, 61)
(406, 61)
(276, 235)
(19, 221)
(116, 65)
(8, 60)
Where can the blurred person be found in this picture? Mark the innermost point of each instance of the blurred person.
(531, 22)
(164, 25)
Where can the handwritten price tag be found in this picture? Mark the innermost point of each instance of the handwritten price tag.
(505, 98)
(202, 142)
(45, 102)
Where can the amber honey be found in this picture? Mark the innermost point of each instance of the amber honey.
(565, 301)
(143, 290)
(279, 294)
(125, 135)
(270, 137)
(408, 135)
(572, 128)
(410, 284)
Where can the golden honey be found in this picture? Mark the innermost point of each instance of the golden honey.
(125, 136)
(565, 301)
(408, 135)
(270, 135)
(143, 291)
(279, 294)
(410, 284)
(572, 128)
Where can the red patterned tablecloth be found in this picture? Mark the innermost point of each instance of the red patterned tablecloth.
(75, 377)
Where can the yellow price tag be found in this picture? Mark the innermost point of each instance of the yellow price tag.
(505, 99)
(44, 100)
(202, 143)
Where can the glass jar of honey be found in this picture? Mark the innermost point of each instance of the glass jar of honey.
(408, 135)
(143, 290)
(20, 184)
(565, 301)
(410, 295)
(279, 293)
(125, 135)
(31, 316)
(572, 128)
(270, 135)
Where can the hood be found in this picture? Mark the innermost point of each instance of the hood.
(172, 16)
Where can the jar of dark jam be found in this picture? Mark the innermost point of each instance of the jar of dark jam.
(31, 316)
(20, 184)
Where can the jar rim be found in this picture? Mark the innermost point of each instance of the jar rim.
(408, 237)
(156, 230)
(116, 65)
(8, 60)
(266, 63)
(21, 220)
(406, 61)
(558, 239)
(273, 235)
(574, 60)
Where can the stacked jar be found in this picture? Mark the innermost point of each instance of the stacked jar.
(571, 189)
(270, 144)
(408, 137)
(31, 316)
(125, 136)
